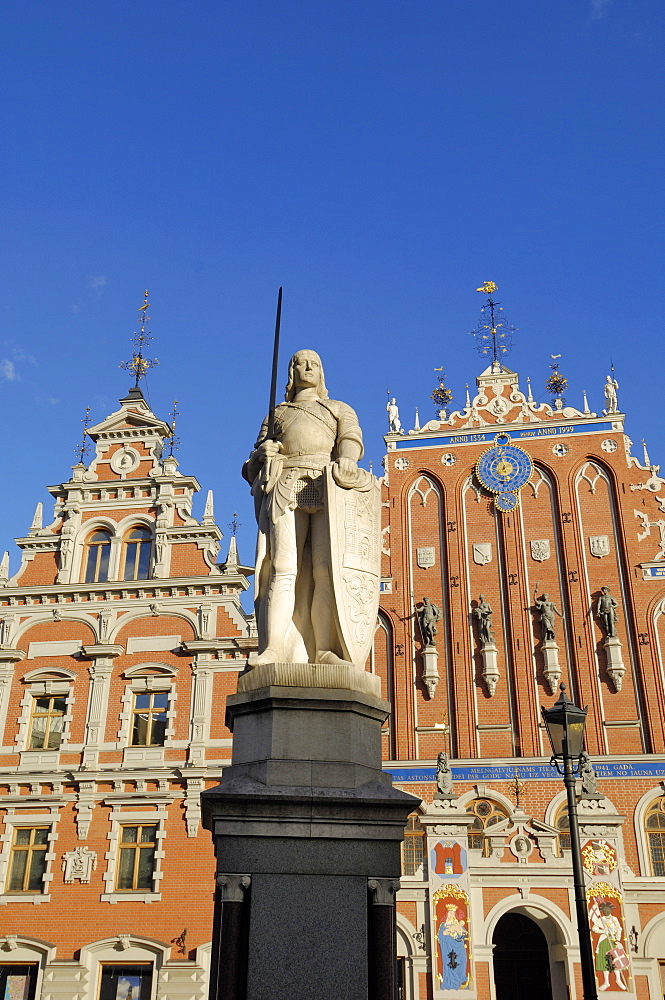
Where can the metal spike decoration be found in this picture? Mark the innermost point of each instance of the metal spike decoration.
(139, 365)
(493, 334)
(234, 525)
(174, 442)
(556, 384)
(442, 395)
(82, 450)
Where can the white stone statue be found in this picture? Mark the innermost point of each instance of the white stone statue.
(610, 390)
(394, 423)
(318, 551)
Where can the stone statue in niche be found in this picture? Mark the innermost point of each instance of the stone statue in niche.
(606, 612)
(394, 423)
(444, 775)
(588, 775)
(483, 614)
(428, 616)
(317, 566)
(546, 609)
(610, 390)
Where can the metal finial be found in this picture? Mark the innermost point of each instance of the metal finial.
(139, 365)
(442, 394)
(174, 442)
(234, 524)
(517, 787)
(82, 449)
(556, 384)
(494, 336)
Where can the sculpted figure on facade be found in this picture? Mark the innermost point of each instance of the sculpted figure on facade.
(394, 422)
(483, 614)
(610, 390)
(444, 775)
(317, 564)
(428, 616)
(606, 612)
(547, 610)
(588, 775)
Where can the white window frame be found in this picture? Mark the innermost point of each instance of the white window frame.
(19, 819)
(44, 682)
(141, 681)
(120, 818)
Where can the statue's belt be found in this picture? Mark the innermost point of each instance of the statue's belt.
(315, 462)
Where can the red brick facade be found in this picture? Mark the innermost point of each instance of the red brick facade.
(115, 664)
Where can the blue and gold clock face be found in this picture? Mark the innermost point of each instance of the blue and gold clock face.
(505, 467)
(505, 502)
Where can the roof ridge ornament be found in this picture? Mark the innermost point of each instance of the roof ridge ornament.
(494, 336)
(82, 449)
(139, 365)
(556, 384)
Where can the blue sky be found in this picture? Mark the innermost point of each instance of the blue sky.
(378, 158)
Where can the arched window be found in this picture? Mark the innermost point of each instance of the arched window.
(485, 813)
(654, 825)
(413, 846)
(137, 554)
(98, 549)
(562, 823)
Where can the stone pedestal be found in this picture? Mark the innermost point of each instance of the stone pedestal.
(615, 665)
(490, 655)
(430, 669)
(551, 668)
(307, 831)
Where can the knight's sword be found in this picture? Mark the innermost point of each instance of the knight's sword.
(275, 362)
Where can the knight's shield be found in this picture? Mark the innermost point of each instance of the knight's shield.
(354, 518)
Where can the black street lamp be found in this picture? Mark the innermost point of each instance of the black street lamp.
(564, 722)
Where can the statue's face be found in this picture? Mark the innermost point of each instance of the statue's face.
(306, 370)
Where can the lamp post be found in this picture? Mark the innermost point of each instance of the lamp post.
(564, 722)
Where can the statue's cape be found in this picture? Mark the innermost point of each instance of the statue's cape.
(354, 521)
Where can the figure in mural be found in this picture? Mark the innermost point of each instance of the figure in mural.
(452, 948)
(610, 955)
(610, 390)
(394, 423)
(296, 475)
(428, 616)
(483, 613)
(606, 612)
(444, 775)
(546, 609)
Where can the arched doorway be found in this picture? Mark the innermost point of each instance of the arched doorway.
(521, 960)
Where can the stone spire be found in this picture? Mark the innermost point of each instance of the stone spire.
(209, 512)
(37, 518)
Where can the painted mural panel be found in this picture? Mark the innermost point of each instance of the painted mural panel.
(450, 904)
(606, 921)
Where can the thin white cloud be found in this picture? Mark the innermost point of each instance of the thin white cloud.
(599, 9)
(20, 355)
(52, 400)
(8, 371)
(98, 282)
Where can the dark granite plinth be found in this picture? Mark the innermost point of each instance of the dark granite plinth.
(307, 813)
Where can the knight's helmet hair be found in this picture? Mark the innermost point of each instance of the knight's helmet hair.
(290, 385)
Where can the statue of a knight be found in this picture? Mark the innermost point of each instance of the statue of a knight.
(314, 452)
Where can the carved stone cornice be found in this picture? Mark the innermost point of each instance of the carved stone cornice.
(9, 655)
(99, 650)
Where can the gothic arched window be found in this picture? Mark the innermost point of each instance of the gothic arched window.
(98, 551)
(138, 545)
(413, 846)
(654, 827)
(562, 823)
(485, 813)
